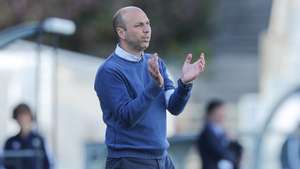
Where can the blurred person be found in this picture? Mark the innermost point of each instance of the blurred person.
(135, 90)
(27, 141)
(290, 152)
(216, 149)
(237, 151)
(1, 159)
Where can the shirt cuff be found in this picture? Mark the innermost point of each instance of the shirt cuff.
(184, 89)
(185, 85)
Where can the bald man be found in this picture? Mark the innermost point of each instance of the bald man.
(135, 90)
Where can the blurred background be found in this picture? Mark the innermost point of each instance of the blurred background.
(253, 57)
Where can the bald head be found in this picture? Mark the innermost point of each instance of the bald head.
(120, 19)
(132, 27)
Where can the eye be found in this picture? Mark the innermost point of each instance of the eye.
(138, 25)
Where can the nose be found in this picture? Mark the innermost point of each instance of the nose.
(147, 29)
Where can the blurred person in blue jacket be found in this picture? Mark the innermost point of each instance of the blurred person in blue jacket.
(135, 90)
(290, 152)
(27, 149)
(1, 159)
(216, 149)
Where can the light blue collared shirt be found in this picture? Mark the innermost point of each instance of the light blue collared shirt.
(134, 58)
(126, 55)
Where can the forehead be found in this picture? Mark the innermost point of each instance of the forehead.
(133, 16)
(219, 109)
(23, 113)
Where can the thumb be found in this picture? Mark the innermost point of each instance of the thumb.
(188, 58)
(154, 55)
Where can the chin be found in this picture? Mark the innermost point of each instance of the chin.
(145, 46)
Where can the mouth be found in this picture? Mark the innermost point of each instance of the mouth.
(146, 38)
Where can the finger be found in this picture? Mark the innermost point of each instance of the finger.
(156, 60)
(158, 79)
(201, 60)
(202, 57)
(155, 63)
(154, 67)
(152, 73)
(152, 61)
(161, 80)
(201, 66)
(189, 58)
(154, 56)
(150, 64)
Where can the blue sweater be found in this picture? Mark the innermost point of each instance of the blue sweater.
(134, 107)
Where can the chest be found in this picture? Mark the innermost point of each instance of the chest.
(136, 79)
(29, 143)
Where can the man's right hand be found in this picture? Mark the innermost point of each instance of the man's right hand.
(154, 70)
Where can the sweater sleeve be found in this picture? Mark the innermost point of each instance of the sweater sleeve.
(113, 96)
(180, 95)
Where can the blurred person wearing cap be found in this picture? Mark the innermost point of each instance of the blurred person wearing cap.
(27, 149)
(135, 90)
(216, 149)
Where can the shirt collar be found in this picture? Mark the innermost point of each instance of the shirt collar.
(218, 129)
(127, 56)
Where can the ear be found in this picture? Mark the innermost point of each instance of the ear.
(121, 32)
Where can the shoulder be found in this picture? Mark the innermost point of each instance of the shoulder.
(11, 139)
(110, 71)
(111, 65)
(11, 142)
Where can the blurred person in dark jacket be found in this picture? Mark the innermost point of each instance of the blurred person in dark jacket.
(216, 149)
(26, 150)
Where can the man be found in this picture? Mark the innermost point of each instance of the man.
(135, 91)
(26, 150)
(215, 148)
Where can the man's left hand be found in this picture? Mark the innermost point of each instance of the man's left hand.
(190, 71)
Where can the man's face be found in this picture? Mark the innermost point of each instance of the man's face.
(138, 30)
(219, 115)
(25, 121)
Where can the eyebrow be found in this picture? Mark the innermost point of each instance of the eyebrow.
(138, 23)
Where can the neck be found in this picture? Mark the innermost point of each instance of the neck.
(25, 133)
(213, 122)
(130, 50)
